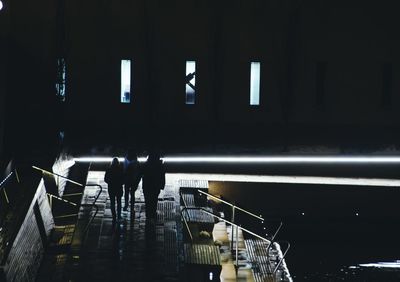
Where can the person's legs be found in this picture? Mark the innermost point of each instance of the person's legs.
(133, 190)
(112, 206)
(153, 205)
(126, 196)
(147, 203)
(119, 203)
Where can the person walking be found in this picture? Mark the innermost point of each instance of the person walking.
(114, 177)
(132, 179)
(153, 182)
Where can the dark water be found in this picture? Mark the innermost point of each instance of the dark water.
(332, 229)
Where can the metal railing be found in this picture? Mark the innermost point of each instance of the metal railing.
(93, 205)
(283, 254)
(58, 175)
(185, 209)
(235, 207)
(5, 180)
(270, 243)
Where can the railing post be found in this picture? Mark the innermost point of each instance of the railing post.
(5, 195)
(16, 175)
(237, 246)
(233, 221)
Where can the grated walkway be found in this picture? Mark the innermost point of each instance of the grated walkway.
(129, 250)
(136, 250)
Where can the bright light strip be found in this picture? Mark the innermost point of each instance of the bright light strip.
(382, 264)
(286, 160)
(277, 178)
(1, 5)
(291, 179)
(265, 159)
(104, 159)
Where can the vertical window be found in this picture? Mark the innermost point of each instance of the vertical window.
(60, 80)
(125, 81)
(190, 82)
(387, 76)
(320, 83)
(255, 83)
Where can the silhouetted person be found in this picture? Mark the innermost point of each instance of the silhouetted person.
(132, 178)
(153, 182)
(114, 178)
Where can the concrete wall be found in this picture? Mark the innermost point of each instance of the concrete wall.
(289, 38)
(27, 250)
(3, 79)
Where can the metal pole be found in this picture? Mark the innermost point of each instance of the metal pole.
(5, 195)
(233, 221)
(16, 175)
(237, 246)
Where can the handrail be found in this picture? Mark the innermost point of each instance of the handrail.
(234, 208)
(283, 256)
(79, 184)
(6, 178)
(4, 181)
(227, 221)
(187, 226)
(92, 218)
(61, 199)
(273, 236)
(59, 175)
(232, 205)
(277, 230)
(232, 224)
(93, 205)
(183, 199)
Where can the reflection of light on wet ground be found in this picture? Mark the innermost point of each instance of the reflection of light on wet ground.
(388, 265)
(292, 179)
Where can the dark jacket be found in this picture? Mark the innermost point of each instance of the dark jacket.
(153, 176)
(133, 174)
(114, 177)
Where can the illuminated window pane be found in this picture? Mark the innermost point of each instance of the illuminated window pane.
(60, 82)
(255, 83)
(190, 82)
(125, 81)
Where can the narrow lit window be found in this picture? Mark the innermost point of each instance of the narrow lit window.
(190, 82)
(255, 83)
(125, 81)
(60, 82)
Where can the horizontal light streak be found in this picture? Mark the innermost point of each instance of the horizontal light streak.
(395, 264)
(264, 159)
(103, 159)
(283, 159)
(291, 179)
(277, 178)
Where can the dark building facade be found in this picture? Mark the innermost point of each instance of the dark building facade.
(328, 72)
